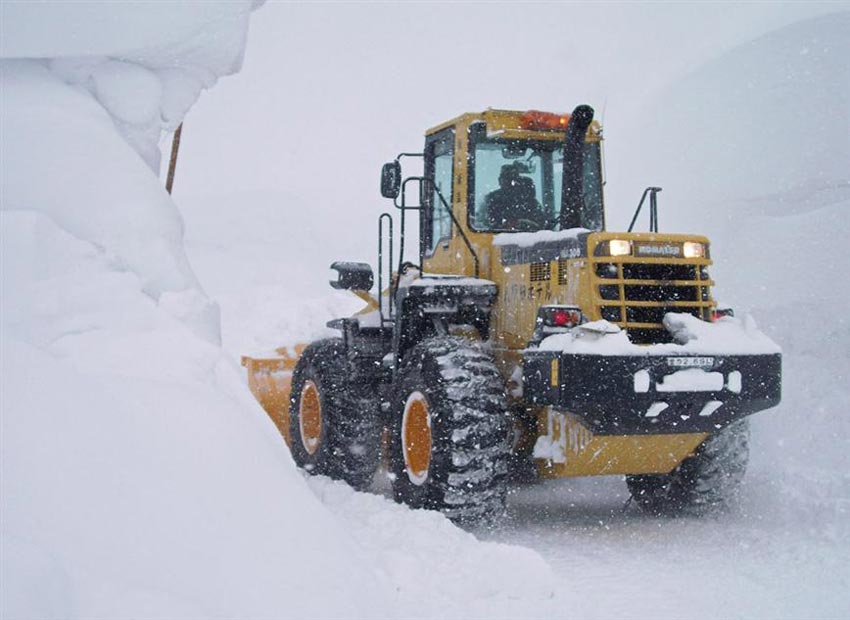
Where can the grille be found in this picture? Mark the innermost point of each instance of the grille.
(658, 271)
(541, 272)
(607, 270)
(636, 296)
(562, 271)
(660, 292)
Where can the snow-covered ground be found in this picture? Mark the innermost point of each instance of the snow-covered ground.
(140, 479)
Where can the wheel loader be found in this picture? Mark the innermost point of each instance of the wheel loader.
(525, 340)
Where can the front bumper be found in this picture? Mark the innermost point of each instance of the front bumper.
(653, 394)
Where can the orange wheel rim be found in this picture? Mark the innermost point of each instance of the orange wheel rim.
(416, 437)
(310, 417)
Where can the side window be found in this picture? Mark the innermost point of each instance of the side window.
(439, 166)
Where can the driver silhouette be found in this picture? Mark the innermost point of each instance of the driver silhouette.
(514, 206)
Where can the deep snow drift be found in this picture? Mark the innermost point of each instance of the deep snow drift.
(139, 477)
(760, 161)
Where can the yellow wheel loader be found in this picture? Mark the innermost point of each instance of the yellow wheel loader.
(525, 339)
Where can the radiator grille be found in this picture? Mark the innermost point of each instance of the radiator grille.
(637, 295)
(562, 271)
(541, 272)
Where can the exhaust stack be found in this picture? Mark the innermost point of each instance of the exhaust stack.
(572, 194)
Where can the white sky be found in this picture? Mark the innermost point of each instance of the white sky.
(329, 90)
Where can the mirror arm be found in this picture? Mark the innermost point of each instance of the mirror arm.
(398, 159)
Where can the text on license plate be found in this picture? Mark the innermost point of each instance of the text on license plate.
(690, 362)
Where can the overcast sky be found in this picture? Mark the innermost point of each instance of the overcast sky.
(331, 90)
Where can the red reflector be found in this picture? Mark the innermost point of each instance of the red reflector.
(545, 121)
(719, 314)
(560, 318)
(565, 318)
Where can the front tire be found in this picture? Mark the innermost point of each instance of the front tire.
(706, 482)
(450, 432)
(334, 425)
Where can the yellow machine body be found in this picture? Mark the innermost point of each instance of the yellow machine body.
(522, 289)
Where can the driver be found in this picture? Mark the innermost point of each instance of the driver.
(514, 205)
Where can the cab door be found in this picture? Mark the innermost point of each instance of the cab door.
(438, 234)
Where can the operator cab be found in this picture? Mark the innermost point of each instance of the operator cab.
(516, 184)
(498, 171)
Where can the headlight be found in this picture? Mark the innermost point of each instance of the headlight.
(692, 249)
(619, 247)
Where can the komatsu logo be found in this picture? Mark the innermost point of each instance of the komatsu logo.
(656, 249)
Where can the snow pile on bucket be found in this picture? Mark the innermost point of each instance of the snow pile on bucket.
(139, 477)
(727, 336)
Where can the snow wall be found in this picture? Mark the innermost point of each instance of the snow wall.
(139, 478)
(753, 149)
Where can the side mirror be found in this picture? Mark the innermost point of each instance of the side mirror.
(391, 180)
(353, 276)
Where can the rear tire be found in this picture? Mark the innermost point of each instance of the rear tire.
(450, 431)
(335, 426)
(706, 482)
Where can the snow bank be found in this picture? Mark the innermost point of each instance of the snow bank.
(145, 481)
(145, 63)
(435, 569)
(752, 149)
(62, 157)
(139, 478)
(759, 131)
(137, 473)
(71, 74)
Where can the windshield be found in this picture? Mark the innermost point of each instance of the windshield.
(516, 185)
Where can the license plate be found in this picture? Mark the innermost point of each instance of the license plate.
(690, 362)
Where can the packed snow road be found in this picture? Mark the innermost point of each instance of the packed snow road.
(765, 559)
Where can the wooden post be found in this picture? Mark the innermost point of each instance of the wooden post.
(172, 164)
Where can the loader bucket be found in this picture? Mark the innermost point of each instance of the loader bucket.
(270, 380)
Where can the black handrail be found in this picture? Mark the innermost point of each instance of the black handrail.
(403, 207)
(389, 218)
(653, 209)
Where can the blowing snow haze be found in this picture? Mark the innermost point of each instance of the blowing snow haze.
(140, 479)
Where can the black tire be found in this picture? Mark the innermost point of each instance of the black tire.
(470, 431)
(706, 482)
(347, 445)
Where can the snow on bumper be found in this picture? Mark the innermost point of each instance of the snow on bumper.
(712, 379)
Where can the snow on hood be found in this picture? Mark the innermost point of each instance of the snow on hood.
(528, 239)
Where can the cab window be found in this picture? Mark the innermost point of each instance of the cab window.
(439, 160)
(515, 185)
